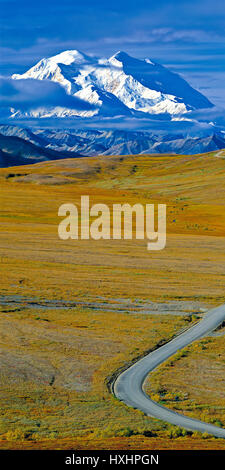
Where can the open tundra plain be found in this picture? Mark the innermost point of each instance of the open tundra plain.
(75, 312)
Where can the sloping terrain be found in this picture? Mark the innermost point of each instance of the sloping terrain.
(71, 310)
(17, 151)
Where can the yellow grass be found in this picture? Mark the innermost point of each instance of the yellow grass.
(57, 361)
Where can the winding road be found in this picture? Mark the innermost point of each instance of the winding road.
(128, 386)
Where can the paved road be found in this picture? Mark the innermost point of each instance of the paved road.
(128, 387)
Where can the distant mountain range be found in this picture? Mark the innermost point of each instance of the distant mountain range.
(118, 86)
(17, 151)
(24, 146)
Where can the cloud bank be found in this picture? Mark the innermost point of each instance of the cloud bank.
(26, 94)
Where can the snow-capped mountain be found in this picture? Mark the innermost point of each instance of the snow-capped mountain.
(92, 92)
(118, 86)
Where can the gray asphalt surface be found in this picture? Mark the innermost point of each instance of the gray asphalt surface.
(128, 387)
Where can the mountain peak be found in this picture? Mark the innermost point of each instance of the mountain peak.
(70, 56)
(117, 58)
(121, 56)
(127, 60)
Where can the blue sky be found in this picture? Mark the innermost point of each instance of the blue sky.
(187, 36)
